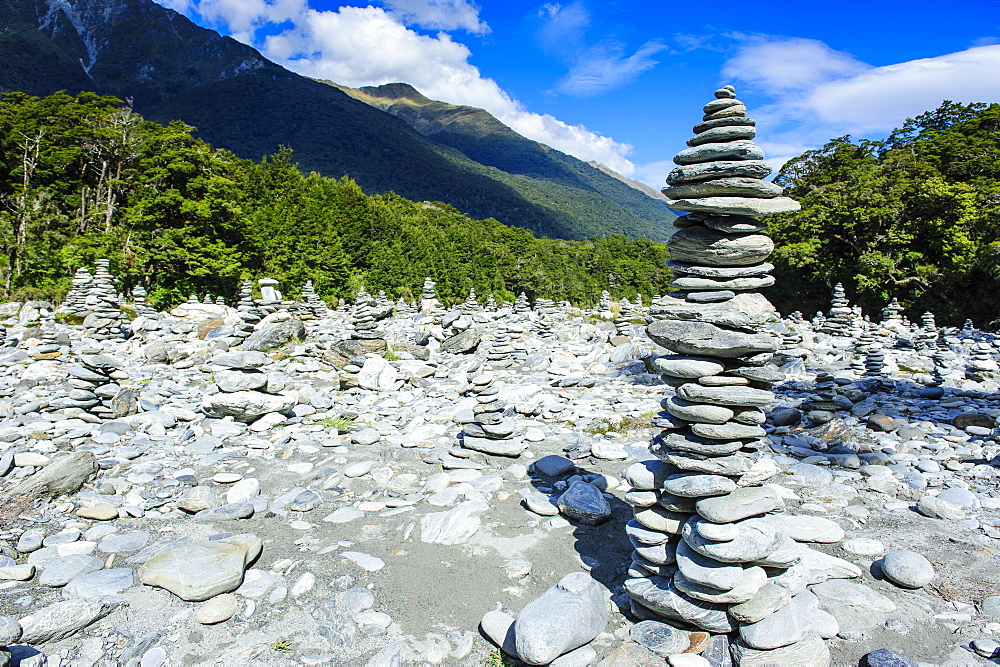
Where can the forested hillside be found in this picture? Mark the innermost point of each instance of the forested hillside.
(84, 177)
(915, 216)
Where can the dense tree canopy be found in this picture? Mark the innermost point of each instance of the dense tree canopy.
(914, 216)
(84, 177)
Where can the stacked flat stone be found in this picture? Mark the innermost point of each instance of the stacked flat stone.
(105, 319)
(490, 431)
(245, 299)
(926, 336)
(208, 299)
(363, 318)
(270, 297)
(623, 321)
(521, 304)
(703, 526)
(545, 306)
(75, 302)
(139, 302)
(219, 301)
(491, 304)
(403, 308)
(500, 354)
(605, 301)
(48, 346)
(248, 312)
(818, 321)
(470, 305)
(428, 299)
(875, 361)
(838, 319)
(543, 327)
(981, 365)
(95, 388)
(246, 393)
(313, 304)
(892, 313)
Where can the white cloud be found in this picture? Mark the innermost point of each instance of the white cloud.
(816, 93)
(370, 46)
(592, 68)
(439, 14)
(181, 6)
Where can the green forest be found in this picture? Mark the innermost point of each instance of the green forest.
(84, 178)
(916, 216)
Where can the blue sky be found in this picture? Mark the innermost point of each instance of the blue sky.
(623, 81)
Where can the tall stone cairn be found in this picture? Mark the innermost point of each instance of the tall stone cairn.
(704, 527)
(363, 317)
(838, 318)
(76, 298)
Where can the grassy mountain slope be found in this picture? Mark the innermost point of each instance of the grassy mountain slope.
(171, 68)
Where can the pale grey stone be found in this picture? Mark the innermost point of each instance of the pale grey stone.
(232, 381)
(724, 187)
(810, 651)
(743, 310)
(246, 406)
(732, 395)
(660, 638)
(936, 508)
(740, 149)
(455, 526)
(98, 584)
(245, 360)
(769, 599)
(62, 476)
(10, 631)
(753, 579)
(720, 169)
(63, 619)
(685, 268)
(565, 617)
(201, 570)
(709, 246)
(728, 431)
(724, 133)
(698, 412)
(785, 626)
(740, 504)
(696, 486)
(700, 338)
(905, 568)
(736, 205)
(707, 571)
(757, 538)
(661, 596)
(855, 606)
(63, 570)
(123, 542)
(686, 283)
(647, 475)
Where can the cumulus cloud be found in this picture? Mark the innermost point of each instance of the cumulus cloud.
(820, 93)
(182, 6)
(593, 68)
(439, 14)
(370, 46)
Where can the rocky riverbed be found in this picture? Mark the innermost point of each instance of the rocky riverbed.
(176, 498)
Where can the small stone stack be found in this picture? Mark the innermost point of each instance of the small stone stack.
(139, 302)
(490, 431)
(363, 318)
(219, 301)
(925, 337)
(106, 318)
(491, 304)
(623, 323)
(428, 300)
(605, 301)
(543, 327)
(875, 361)
(470, 305)
(75, 302)
(545, 306)
(207, 299)
(245, 301)
(270, 297)
(403, 309)
(96, 389)
(313, 305)
(521, 304)
(248, 312)
(246, 393)
(892, 313)
(981, 365)
(500, 354)
(704, 529)
(838, 320)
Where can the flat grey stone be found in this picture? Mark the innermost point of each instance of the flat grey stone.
(724, 187)
(747, 310)
(785, 626)
(696, 486)
(855, 606)
(706, 246)
(740, 149)
(757, 538)
(720, 169)
(732, 395)
(810, 651)
(703, 570)
(101, 583)
(701, 338)
(201, 570)
(661, 596)
(565, 617)
(63, 570)
(736, 205)
(660, 638)
(227, 512)
(62, 620)
(123, 542)
(740, 504)
(231, 381)
(769, 599)
(721, 134)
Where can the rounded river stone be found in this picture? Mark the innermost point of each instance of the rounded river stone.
(702, 245)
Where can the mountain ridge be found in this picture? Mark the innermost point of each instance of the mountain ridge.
(168, 68)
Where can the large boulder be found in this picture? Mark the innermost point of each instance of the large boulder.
(462, 343)
(275, 334)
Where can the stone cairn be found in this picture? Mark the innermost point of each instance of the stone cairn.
(521, 304)
(311, 303)
(248, 312)
(704, 527)
(363, 318)
(839, 318)
(139, 302)
(105, 319)
(96, 389)
(892, 313)
(491, 304)
(500, 354)
(981, 365)
(623, 323)
(470, 305)
(428, 299)
(403, 309)
(925, 337)
(75, 302)
(543, 327)
(490, 431)
(875, 361)
(270, 297)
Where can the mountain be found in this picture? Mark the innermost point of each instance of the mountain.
(169, 68)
